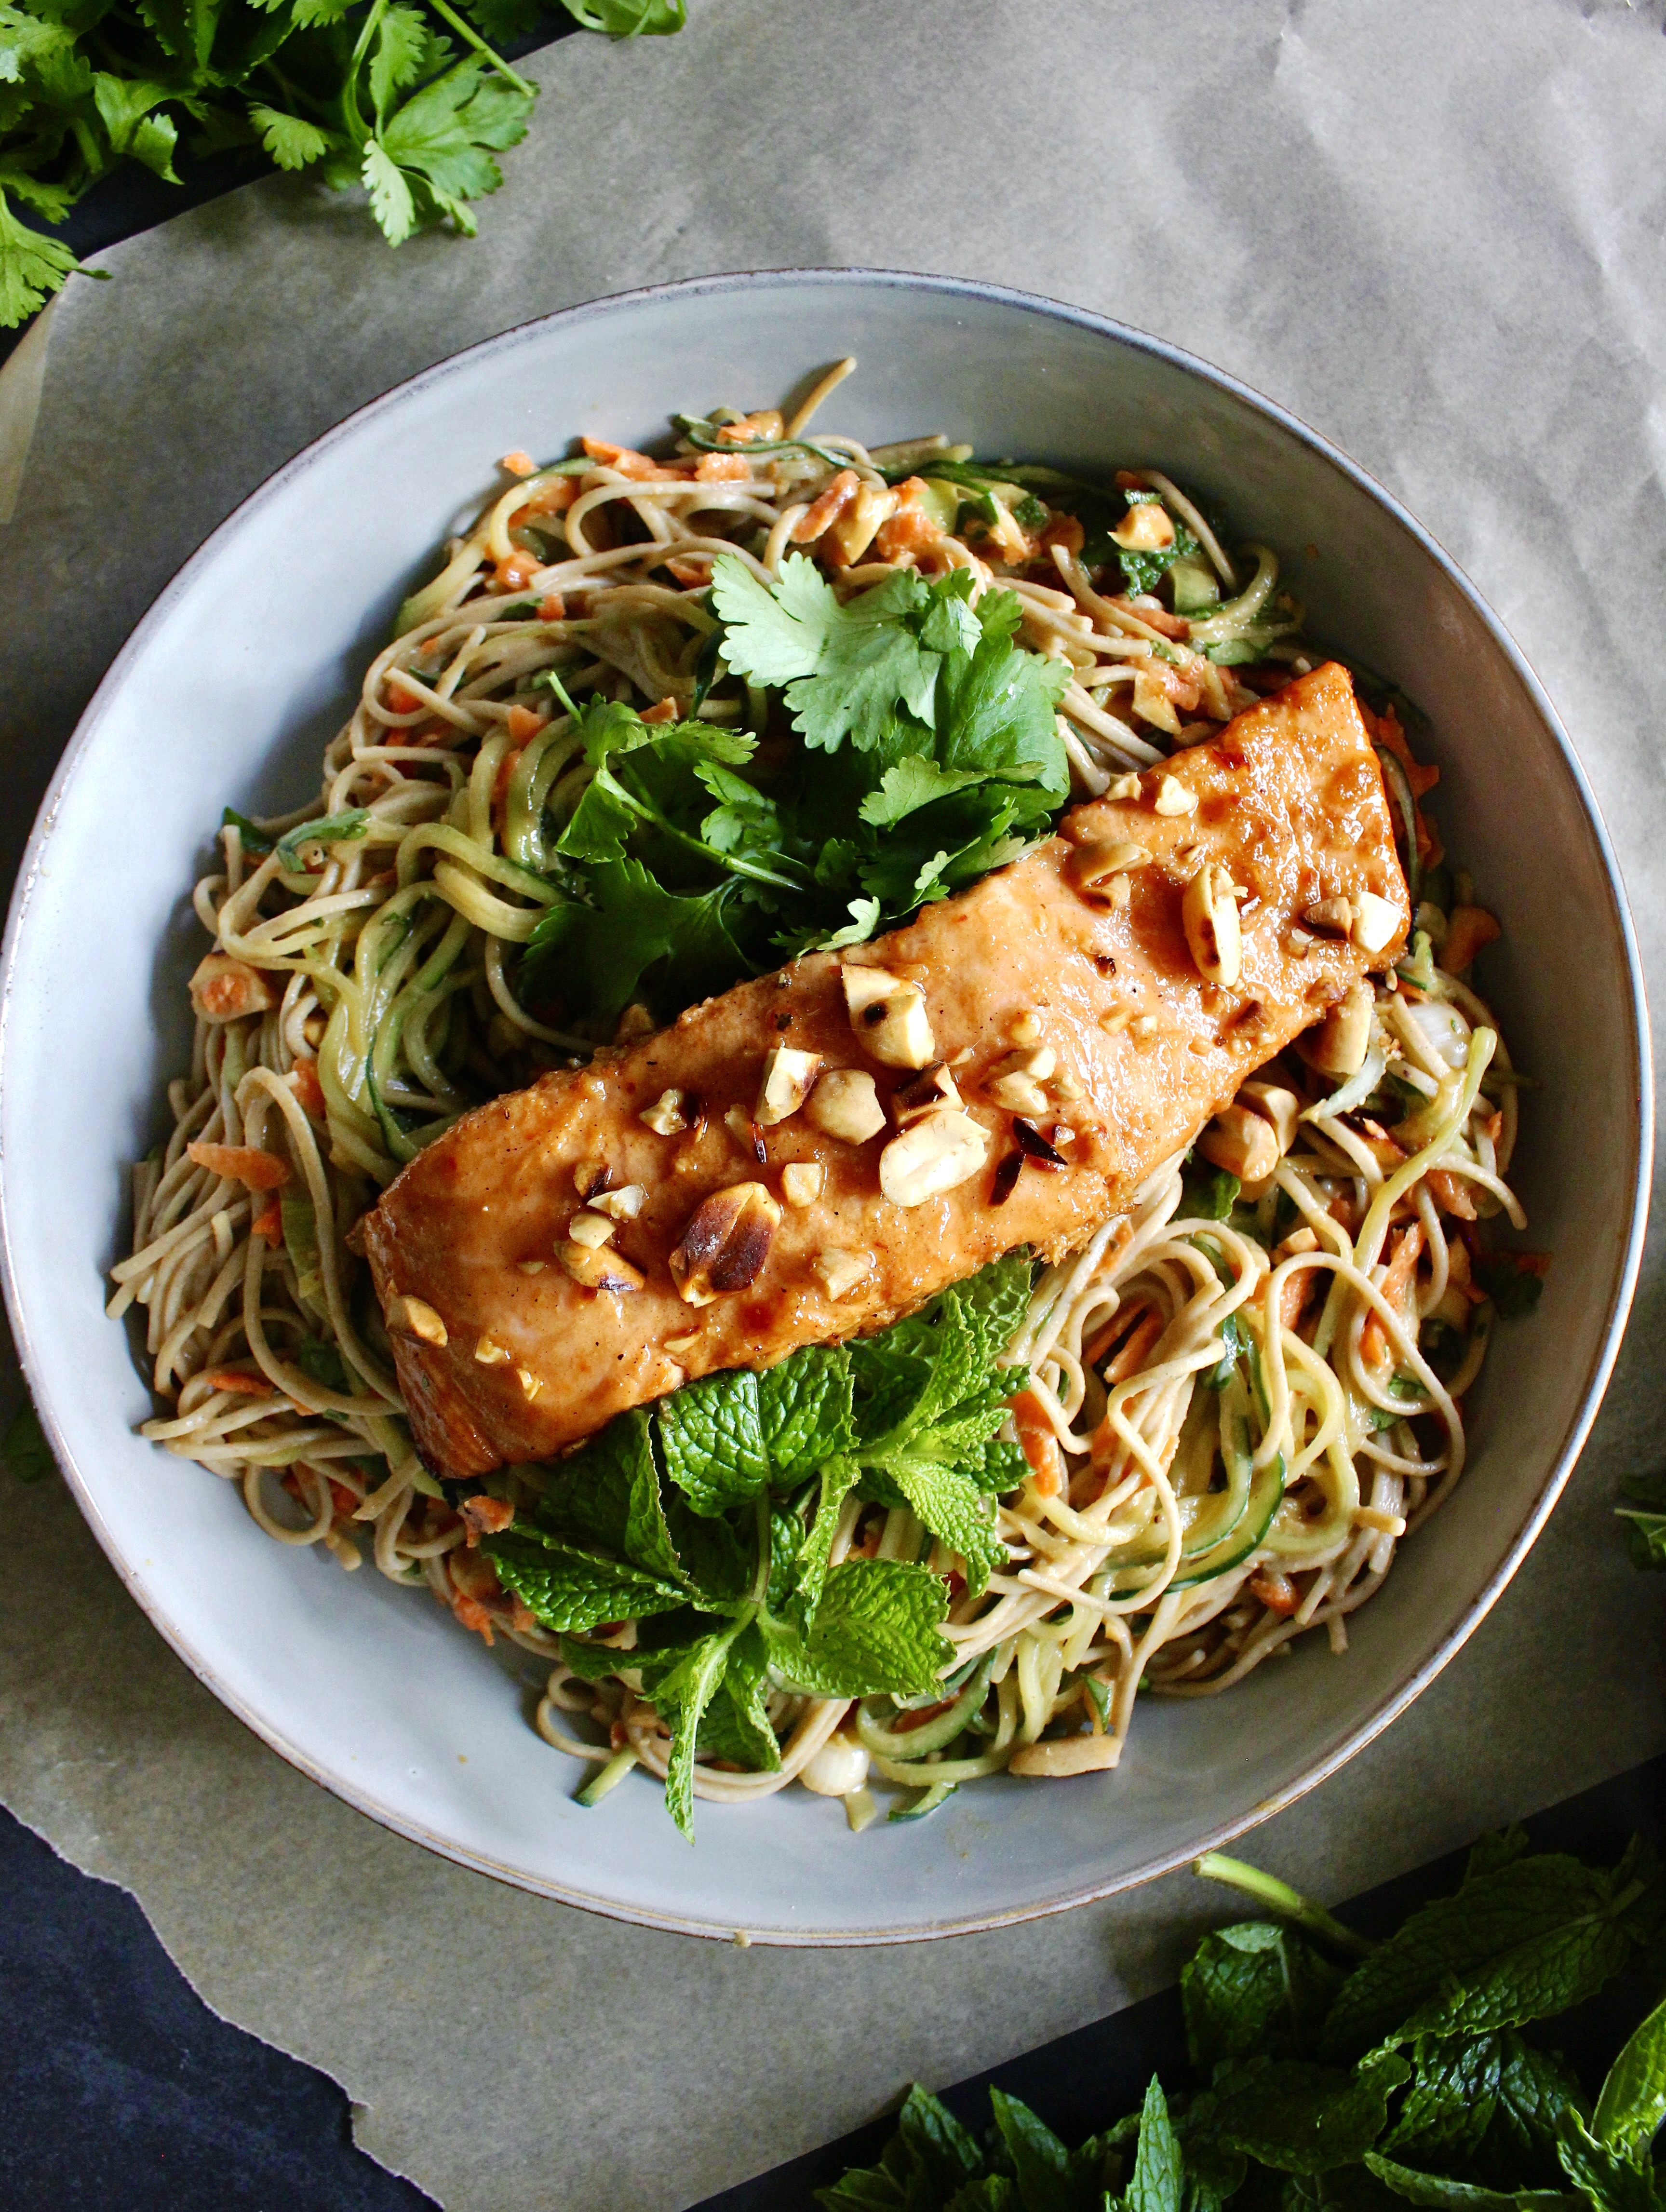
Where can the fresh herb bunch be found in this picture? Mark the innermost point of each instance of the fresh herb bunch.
(709, 1519)
(410, 100)
(929, 756)
(1403, 2075)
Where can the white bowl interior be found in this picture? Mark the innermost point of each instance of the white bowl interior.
(224, 695)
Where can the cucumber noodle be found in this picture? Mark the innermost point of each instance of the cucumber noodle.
(1187, 1517)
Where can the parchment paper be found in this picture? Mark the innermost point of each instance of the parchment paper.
(1434, 230)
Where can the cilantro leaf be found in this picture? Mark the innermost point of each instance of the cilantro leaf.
(633, 926)
(1645, 1510)
(910, 783)
(845, 667)
(875, 1628)
(32, 267)
(571, 1588)
(290, 141)
(629, 18)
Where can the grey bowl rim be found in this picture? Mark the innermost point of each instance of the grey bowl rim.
(1389, 1709)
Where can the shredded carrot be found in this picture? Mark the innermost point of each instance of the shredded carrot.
(1039, 1442)
(474, 1615)
(517, 572)
(910, 530)
(763, 428)
(268, 1224)
(552, 607)
(629, 463)
(1470, 931)
(506, 769)
(1136, 1348)
(1296, 1289)
(1062, 530)
(1157, 618)
(1385, 730)
(243, 1163)
(400, 700)
(1276, 1591)
(518, 464)
(524, 724)
(691, 575)
(663, 710)
(304, 1081)
(1394, 1286)
(242, 1382)
(827, 509)
(1451, 1193)
(484, 1517)
(722, 468)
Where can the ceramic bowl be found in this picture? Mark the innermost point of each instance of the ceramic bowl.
(225, 693)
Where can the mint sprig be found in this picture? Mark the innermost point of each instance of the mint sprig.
(1481, 2122)
(711, 1518)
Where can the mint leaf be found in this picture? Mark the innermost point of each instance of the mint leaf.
(682, 1698)
(1632, 2102)
(1441, 2194)
(805, 1412)
(846, 668)
(1449, 2105)
(875, 1629)
(837, 1478)
(711, 1436)
(1536, 2088)
(1259, 1987)
(1605, 2176)
(1041, 2163)
(955, 1509)
(737, 1724)
(574, 1589)
(943, 2153)
(608, 1494)
(1516, 1944)
(1301, 2117)
(1158, 2182)
(718, 1554)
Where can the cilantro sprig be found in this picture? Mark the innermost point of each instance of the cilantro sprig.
(410, 99)
(929, 755)
(1415, 2075)
(708, 1520)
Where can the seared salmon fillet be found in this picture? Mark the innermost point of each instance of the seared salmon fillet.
(815, 1153)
